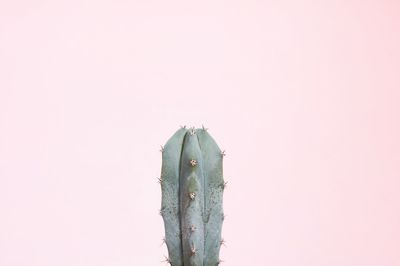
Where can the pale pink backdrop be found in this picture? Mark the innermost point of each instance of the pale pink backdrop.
(303, 95)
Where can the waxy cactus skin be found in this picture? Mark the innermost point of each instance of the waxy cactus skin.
(192, 188)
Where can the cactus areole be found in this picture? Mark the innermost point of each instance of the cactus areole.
(192, 186)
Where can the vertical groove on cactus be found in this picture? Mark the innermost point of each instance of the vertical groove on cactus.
(192, 189)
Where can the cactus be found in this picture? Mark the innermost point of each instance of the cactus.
(192, 187)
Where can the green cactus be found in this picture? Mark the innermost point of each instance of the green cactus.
(192, 187)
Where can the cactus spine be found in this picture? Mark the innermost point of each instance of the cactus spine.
(192, 188)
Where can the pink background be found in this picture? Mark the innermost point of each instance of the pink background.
(303, 95)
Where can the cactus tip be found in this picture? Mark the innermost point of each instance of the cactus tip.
(192, 131)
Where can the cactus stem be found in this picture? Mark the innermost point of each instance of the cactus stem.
(192, 195)
(192, 185)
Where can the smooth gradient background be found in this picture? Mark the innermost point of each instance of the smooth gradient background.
(303, 95)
